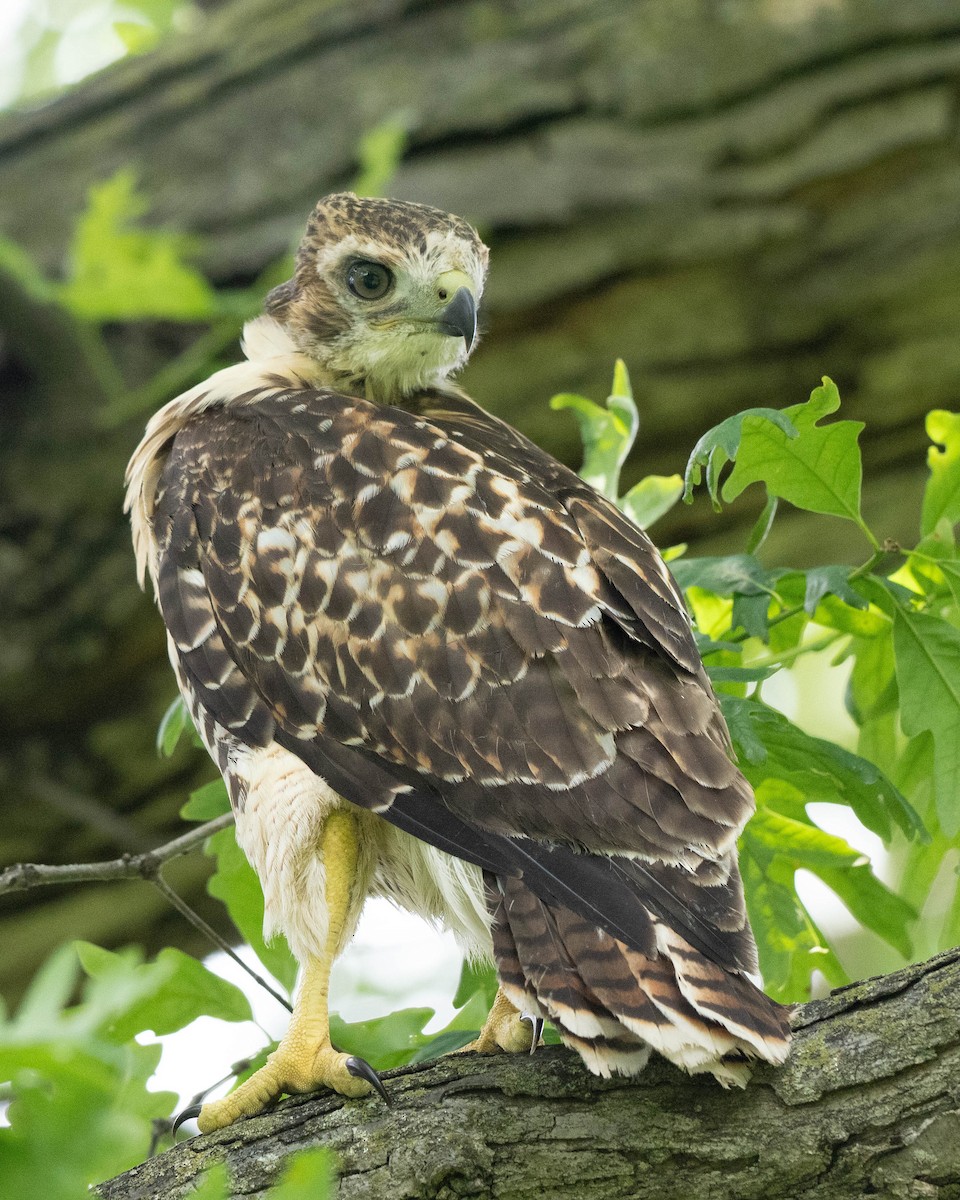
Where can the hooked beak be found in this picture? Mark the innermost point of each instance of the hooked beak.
(459, 318)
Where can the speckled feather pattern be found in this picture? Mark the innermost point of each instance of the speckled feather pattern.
(464, 640)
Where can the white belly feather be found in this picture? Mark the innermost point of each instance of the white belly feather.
(279, 831)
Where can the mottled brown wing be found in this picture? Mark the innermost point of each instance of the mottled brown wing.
(422, 605)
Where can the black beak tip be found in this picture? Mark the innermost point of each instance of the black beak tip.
(459, 318)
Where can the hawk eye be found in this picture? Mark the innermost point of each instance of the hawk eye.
(369, 280)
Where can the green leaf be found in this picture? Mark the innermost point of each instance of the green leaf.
(174, 990)
(941, 498)
(381, 150)
(751, 613)
(172, 725)
(448, 1041)
(873, 904)
(236, 884)
(818, 769)
(732, 575)
(835, 581)
(819, 470)
(159, 13)
(307, 1175)
(649, 499)
(17, 264)
(466, 1023)
(214, 1184)
(608, 433)
(476, 976)
(950, 934)
(137, 38)
(789, 944)
(862, 622)
(80, 1114)
(805, 844)
(951, 576)
(840, 866)
(745, 732)
(726, 575)
(763, 525)
(207, 802)
(81, 1110)
(398, 1038)
(462, 1030)
(872, 691)
(740, 674)
(872, 699)
(120, 271)
(385, 1042)
(471, 1016)
(927, 653)
(720, 445)
(49, 991)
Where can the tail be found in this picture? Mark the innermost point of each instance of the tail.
(612, 1002)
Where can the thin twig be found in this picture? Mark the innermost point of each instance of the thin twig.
(21, 876)
(199, 923)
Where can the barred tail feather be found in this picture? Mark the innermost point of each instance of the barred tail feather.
(611, 1002)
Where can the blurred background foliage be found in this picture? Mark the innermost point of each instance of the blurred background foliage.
(736, 201)
(46, 45)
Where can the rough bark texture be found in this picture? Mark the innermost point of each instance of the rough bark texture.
(734, 197)
(867, 1105)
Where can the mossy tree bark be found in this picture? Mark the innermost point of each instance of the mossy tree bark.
(736, 198)
(867, 1105)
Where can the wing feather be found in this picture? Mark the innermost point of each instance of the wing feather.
(455, 632)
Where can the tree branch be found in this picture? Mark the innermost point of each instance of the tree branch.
(867, 1104)
(21, 876)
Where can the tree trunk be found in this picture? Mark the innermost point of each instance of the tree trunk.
(867, 1105)
(734, 197)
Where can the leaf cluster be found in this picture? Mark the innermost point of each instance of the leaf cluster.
(75, 1075)
(892, 621)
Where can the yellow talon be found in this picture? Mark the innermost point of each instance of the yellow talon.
(291, 1069)
(305, 1060)
(504, 1029)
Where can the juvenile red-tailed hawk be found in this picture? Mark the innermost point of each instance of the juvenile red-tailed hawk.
(434, 665)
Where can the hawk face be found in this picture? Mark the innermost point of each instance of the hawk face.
(384, 296)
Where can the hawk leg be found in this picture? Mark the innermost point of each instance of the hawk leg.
(305, 1060)
(506, 1028)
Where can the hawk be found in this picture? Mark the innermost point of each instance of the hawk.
(434, 665)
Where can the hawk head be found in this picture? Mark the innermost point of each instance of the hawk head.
(384, 296)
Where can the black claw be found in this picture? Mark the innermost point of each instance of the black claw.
(536, 1025)
(359, 1068)
(187, 1114)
